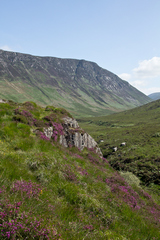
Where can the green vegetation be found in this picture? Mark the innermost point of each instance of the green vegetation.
(140, 129)
(51, 192)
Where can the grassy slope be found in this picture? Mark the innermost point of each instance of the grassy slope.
(79, 107)
(50, 192)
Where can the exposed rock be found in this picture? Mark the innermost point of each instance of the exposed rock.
(115, 149)
(123, 144)
(74, 136)
(48, 132)
(2, 101)
(70, 122)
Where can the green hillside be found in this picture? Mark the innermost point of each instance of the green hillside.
(51, 192)
(81, 87)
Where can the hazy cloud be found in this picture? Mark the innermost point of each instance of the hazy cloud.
(148, 68)
(6, 48)
(146, 77)
(125, 76)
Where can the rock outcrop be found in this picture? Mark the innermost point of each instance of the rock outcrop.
(48, 132)
(2, 101)
(74, 136)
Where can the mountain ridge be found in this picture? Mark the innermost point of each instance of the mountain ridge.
(80, 86)
(154, 96)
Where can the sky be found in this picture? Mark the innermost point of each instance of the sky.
(122, 36)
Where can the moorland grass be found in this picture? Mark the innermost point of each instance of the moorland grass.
(51, 192)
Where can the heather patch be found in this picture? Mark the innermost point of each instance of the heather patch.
(125, 193)
(27, 189)
(82, 171)
(77, 155)
(43, 136)
(69, 174)
(57, 130)
(17, 220)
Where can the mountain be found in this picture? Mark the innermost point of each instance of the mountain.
(49, 192)
(139, 128)
(154, 96)
(80, 86)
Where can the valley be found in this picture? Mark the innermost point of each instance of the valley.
(139, 128)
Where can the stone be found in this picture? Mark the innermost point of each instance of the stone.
(2, 101)
(115, 149)
(48, 131)
(123, 144)
(74, 136)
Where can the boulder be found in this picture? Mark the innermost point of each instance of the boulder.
(115, 149)
(123, 144)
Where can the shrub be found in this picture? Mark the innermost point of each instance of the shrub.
(130, 178)
(20, 118)
(156, 134)
(30, 105)
(23, 116)
(49, 108)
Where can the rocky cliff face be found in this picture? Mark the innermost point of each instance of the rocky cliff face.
(80, 86)
(73, 135)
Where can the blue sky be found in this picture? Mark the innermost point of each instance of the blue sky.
(122, 36)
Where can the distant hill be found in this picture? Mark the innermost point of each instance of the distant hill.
(80, 86)
(154, 96)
